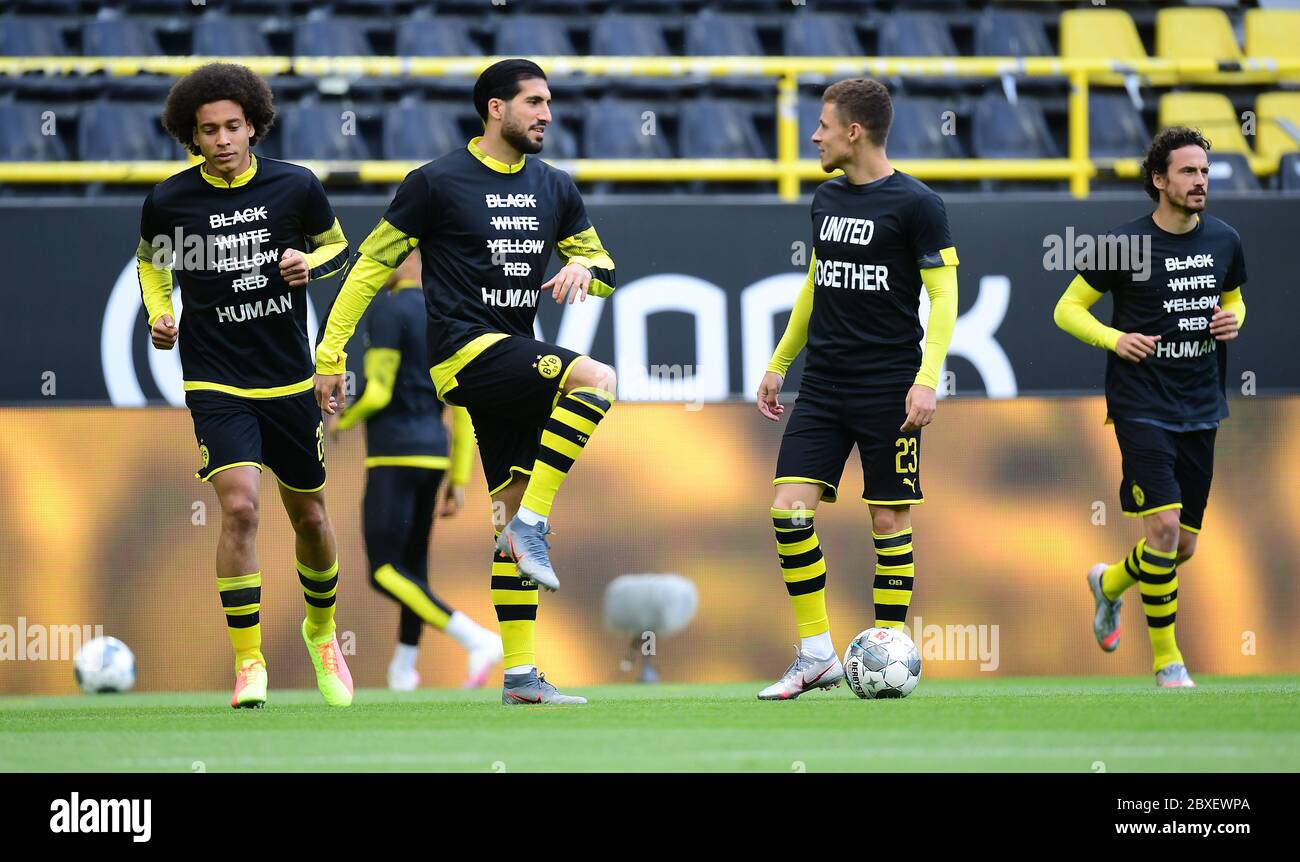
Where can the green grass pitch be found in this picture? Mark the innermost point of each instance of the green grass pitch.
(1229, 724)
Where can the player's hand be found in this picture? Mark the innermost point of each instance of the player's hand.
(769, 396)
(451, 498)
(164, 333)
(293, 268)
(1223, 325)
(329, 393)
(574, 280)
(920, 407)
(1135, 347)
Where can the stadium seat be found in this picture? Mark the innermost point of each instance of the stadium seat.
(1002, 130)
(1277, 118)
(532, 36)
(918, 130)
(1212, 113)
(612, 130)
(1195, 34)
(425, 35)
(1008, 33)
(114, 36)
(810, 111)
(21, 138)
(21, 36)
(1288, 173)
(420, 131)
(323, 35)
(709, 34)
(311, 130)
(1100, 34)
(1115, 127)
(616, 34)
(1230, 172)
(220, 35)
(1273, 33)
(916, 34)
(815, 35)
(123, 132)
(717, 129)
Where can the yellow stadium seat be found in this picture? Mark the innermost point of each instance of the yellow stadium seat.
(1100, 34)
(1212, 113)
(1272, 111)
(1273, 33)
(1195, 34)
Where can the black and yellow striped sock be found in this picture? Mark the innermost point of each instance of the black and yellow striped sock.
(572, 423)
(413, 595)
(803, 568)
(319, 590)
(1158, 581)
(895, 572)
(241, 599)
(1119, 577)
(515, 601)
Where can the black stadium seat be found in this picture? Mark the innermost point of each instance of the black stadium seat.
(1230, 172)
(613, 131)
(1011, 33)
(123, 132)
(424, 35)
(114, 36)
(616, 34)
(814, 35)
(420, 130)
(709, 34)
(532, 35)
(1115, 127)
(311, 130)
(1288, 173)
(322, 35)
(219, 35)
(21, 36)
(22, 138)
(915, 34)
(918, 130)
(718, 129)
(1003, 130)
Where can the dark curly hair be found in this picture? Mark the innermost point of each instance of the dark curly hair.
(216, 82)
(1157, 158)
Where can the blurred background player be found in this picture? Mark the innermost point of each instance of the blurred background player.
(878, 236)
(486, 219)
(1177, 295)
(410, 477)
(245, 353)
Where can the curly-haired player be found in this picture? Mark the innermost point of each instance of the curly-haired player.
(1177, 300)
(242, 236)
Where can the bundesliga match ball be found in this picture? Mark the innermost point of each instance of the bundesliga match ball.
(104, 664)
(882, 663)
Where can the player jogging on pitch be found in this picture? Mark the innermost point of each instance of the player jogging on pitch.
(411, 478)
(235, 231)
(878, 236)
(485, 219)
(1176, 299)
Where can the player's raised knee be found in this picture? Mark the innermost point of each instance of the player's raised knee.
(1162, 529)
(1186, 546)
(590, 374)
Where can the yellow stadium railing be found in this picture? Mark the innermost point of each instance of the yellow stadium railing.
(787, 169)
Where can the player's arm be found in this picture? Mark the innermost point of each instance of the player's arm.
(153, 268)
(787, 349)
(328, 253)
(381, 253)
(381, 374)
(588, 267)
(1072, 314)
(452, 496)
(1229, 316)
(937, 262)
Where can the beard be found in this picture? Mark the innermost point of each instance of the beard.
(517, 137)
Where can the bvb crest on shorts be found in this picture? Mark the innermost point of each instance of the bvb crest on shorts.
(1139, 496)
(548, 366)
(203, 454)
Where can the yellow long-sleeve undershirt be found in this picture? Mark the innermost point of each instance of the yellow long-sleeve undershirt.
(941, 286)
(381, 374)
(462, 446)
(1072, 313)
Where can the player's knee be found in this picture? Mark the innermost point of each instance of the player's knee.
(795, 497)
(310, 520)
(1162, 529)
(239, 513)
(595, 375)
(1186, 546)
(886, 521)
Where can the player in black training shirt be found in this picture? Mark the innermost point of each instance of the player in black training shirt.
(486, 219)
(242, 236)
(879, 236)
(408, 457)
(1177, 299)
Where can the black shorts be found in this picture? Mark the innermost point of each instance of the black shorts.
(827, 421)
(285, 434)
(1165, 470)
(510, 390)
